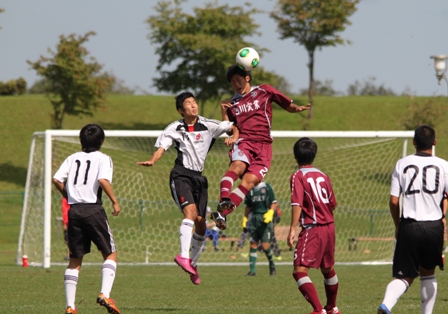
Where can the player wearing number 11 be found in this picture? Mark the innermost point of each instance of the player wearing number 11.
(421, 180)
(313, 202)
(82, 178)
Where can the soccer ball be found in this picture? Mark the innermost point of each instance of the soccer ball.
(247, 58)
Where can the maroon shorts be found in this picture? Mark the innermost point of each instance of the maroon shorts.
(315, 247)
(256, 155)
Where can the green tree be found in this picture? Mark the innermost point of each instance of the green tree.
(322, 89)
(1, 10)
(261, 76)
(369, 88)
(75, 85)
(196, 50)
(313, 24)
(41, 86)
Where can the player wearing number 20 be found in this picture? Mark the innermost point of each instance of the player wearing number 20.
(421, 179)
(312, 203)
(82, 178)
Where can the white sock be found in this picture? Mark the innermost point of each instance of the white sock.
(428, 292)
(395, 289)
(70, 283)
(197, 244)
(108, 271)
(185, 230)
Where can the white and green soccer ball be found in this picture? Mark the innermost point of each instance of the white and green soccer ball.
(247, 58)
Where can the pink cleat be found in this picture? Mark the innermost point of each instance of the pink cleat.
(195, 277)
(185, 264)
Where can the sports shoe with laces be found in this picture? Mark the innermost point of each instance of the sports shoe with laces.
(382, 309)
(185, 264)
(195, 277)
(272, 271)
(250, 274)
(320, 312)
(225, 204)
(69, 310)
(219, 219)
(334, 310)
(108, 303)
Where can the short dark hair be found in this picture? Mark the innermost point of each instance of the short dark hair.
(181, 98)
(305, 150)
(235, 69)
(424, 137)
(91, 137)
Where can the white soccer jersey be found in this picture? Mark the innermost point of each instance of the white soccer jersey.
(192, 146)
(421, 179)
(81, 172)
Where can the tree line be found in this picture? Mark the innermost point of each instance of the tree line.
(194, 52)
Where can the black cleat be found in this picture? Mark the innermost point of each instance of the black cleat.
(250, 274)
(272, 271)
(225, 203)
(219, 219)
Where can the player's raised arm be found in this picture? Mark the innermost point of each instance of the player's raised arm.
(225, 105)
(156, 156)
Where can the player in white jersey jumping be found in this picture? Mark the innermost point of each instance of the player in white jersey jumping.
(250, 108)
(82, 178)
(193, 136)
(421, 180)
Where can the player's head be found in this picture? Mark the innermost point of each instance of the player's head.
(239, 79)
(91, 137)
(186, 104)
(305, 150)
(424, 137)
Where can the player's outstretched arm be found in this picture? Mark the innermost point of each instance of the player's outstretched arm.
(156, 156)
(107, 188)
(293, 108)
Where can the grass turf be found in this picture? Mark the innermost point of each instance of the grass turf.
(167, 289)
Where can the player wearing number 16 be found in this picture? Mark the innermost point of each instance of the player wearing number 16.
(312, 204)
(420, 180)
(82, 178)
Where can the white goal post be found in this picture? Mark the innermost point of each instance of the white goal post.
(360, 164)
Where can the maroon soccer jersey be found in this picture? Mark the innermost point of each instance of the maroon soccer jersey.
(252, 112)
(311, 189)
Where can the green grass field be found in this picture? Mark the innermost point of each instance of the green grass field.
(167, 289)
(161, 289)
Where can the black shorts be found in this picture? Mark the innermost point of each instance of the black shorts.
(88, 223)
(189, 187)
(419, 244)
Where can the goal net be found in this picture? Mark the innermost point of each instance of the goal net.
(359, 163)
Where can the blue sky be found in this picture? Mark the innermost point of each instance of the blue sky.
(392, 40)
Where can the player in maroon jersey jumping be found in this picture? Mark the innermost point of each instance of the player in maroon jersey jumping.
(312, 204)
(250, 108)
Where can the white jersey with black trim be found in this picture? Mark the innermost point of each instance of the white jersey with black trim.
(422, 180)
(192, 146)
(81, 172)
